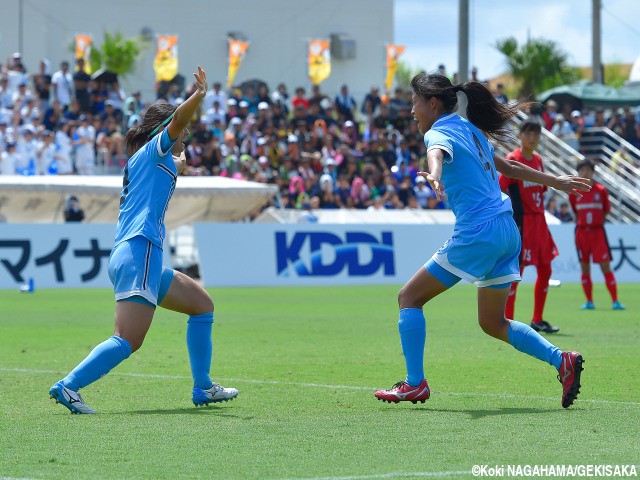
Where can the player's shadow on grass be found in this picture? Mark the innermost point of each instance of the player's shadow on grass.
(218, 412)
(477, 414)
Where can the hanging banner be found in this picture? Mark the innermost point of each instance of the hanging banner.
(83, 50)
(166, 62)
(319, 61)
(393, 53)
(237, 50)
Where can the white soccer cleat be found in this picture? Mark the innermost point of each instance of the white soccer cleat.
(217, 393)
(70, 399)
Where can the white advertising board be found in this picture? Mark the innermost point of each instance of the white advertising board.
(321, 254)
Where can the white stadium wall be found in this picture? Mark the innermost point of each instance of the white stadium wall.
(241, 254)
(278, 31)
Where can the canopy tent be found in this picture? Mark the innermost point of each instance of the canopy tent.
(589, 94)
(41, 199)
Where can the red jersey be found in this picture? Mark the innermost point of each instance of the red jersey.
(526, 197)
(592, 207)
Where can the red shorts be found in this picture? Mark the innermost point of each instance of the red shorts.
(592, 243)
(538, 247)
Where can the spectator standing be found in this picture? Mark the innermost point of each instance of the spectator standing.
(84, 141)
(42, 84)
(345, 104)
(81, 80)
(62, 85)
(499, 94)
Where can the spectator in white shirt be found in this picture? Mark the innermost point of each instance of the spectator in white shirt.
(62, 85)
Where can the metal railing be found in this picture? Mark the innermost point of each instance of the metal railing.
(615, 171)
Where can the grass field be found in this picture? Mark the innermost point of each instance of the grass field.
(306, 362)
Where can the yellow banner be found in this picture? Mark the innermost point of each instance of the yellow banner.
(393, 52)
(237, 50)
(319, 61)
(166, 62)
(83, 50)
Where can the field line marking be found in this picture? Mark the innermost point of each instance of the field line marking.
(324, 385)
(387, 475)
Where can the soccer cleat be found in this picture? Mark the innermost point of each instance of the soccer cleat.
(569, 376)
(544, 326)
(70, 399)
(403, 392)
(217, 393)
(590, 306)
(618, 306)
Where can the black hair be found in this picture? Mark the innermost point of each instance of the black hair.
(530, 126)
(483, 110)
(586, 163)
(138, 135)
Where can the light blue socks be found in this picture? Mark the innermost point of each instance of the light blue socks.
(102, 359)
(527, 340)
(200, 347)
(413, 334)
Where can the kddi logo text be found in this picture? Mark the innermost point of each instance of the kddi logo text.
(307, 254)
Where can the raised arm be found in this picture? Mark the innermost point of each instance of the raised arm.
(565, 183)
(183, 114)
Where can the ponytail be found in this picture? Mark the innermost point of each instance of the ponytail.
(483, 110)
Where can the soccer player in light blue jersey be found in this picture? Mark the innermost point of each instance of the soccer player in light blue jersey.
(135, 266)
(485, 245)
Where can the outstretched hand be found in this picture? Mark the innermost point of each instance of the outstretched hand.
(572, 185)
(436, 184)
(201, 82)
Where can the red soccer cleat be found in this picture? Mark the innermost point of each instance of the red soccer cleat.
(403, 392)
(569, 376)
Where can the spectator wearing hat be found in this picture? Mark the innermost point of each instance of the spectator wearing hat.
(280, 97)
(62, 85)
(9, 158)
(62, 141)
(47, 163)
(16, 72)
(371, 101)
(84, 141)
(563, 130)
(577, 124)
(28, 149)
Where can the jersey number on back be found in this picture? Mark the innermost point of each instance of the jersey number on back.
(486, 164)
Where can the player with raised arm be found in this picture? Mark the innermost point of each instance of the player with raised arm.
(591, 239)
(485, 245)
(135, 266)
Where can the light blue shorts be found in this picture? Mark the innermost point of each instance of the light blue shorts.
(136, 271)
(486, 255)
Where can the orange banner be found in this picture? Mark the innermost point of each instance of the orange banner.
(83, 50)
(166, 62)
(319, 61)
(237, 50)
(393, 52)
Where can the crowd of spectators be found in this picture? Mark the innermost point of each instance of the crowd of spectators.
(322, 149)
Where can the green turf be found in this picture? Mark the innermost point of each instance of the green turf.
(306, 362)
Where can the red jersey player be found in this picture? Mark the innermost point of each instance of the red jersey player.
(591, 239)
(538, 247)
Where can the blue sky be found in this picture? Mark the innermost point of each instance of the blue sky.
(429, 30)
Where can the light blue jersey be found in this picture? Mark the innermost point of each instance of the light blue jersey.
(148, 184)
(468, 171)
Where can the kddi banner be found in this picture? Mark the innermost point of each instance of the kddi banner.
(304, 254)
(320, 254)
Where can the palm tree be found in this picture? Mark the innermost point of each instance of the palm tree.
(537, 65)
(117, 54)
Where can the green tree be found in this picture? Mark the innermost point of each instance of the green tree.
(537, 65)
(117, 54)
